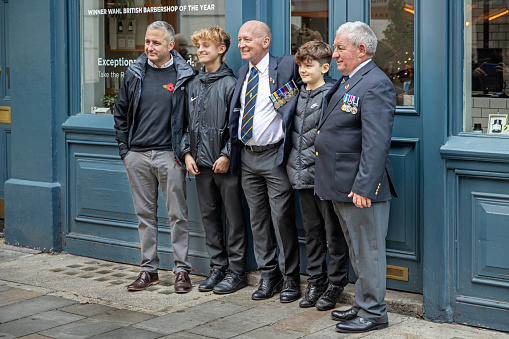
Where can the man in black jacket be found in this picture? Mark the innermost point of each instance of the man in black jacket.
(149, 118)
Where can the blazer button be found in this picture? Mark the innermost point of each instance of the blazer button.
(318, 132)
(316, 153)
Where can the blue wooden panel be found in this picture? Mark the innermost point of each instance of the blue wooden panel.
(403, 235)
(5, 156)
(101, 211)
(482, 228)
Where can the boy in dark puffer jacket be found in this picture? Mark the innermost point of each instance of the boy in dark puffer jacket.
(319, 220)
(206, 147)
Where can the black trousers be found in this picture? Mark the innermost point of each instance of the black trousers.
(322, 227)
(213, 189)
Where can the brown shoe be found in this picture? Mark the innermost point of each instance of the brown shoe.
(182, 282)
(144, 280)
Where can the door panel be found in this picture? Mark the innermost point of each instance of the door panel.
(5, 99)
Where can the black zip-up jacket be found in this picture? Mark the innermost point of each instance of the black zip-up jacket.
(209, 96)
(301, 162)
(129, 97)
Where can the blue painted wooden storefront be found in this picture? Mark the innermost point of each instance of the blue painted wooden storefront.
(67, 188)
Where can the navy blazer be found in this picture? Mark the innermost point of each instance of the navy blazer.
(352, 150)
(281, 70)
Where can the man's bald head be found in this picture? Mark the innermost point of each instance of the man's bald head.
(254, 41)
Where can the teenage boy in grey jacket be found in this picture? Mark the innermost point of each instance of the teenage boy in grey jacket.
(319, 220)
(207, 156)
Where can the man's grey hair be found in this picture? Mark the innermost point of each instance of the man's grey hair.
(359, 34)
(166, 27)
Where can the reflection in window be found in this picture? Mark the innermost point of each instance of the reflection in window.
(393, 23)
(485, 68)
(310, 21)
(113, 36)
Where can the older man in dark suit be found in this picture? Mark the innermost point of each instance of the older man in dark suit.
(259, 145)
(353, 169)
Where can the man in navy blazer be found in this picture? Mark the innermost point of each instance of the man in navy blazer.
(353, 169)
(260, 144)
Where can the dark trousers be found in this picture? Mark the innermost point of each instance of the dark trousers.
(322, 227)
(269, 196)
(213, 189)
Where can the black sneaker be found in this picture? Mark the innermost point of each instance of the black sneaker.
(214, 277)
(231, 283)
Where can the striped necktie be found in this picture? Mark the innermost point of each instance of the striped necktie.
(250, 101)
(345, 79)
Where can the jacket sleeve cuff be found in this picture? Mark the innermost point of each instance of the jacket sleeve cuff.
(122, 149)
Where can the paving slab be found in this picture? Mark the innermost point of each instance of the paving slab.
(12, 295)
(416, 328)
(184, 335)
(270, 332)
(34, 336)
(246, 321)
(37, 322)
(74, 277)
(87, 310)
(128, 333)
(123, 317)
(190, 317)
(32, 306)
(80, 329)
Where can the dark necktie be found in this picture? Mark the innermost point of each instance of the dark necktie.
(249, 106)
(345, 79)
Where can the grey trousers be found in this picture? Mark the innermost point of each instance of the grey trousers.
(213, 189)
(147, 170)
(365, 230)
(323, 234)
(269, 196)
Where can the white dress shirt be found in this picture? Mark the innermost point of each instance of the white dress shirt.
(267, 125)
(165, 65)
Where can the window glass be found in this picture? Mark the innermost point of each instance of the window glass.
(310, 21)
(485, 68)
(393, 23)
(113, 36)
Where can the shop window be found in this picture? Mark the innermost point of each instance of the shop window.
(310, 21)
(113, 36)
(486, 67)
(393, 23)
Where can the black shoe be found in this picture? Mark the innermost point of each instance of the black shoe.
(343, 315)
(231, 283)
(329, 298)
(214, 277)
(266, 289)
(290, 292)
(359, 325)
(313, 292)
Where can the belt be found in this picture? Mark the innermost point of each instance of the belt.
(263, 148)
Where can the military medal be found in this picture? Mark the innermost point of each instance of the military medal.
(284, 94)
(355, 105)
(345, 99)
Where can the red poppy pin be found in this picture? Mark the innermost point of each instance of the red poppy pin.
(169, 87)
(346, 87)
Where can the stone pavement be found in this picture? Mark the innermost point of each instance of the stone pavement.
(64, 296)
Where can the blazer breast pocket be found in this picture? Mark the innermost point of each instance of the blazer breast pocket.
(346, 119)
